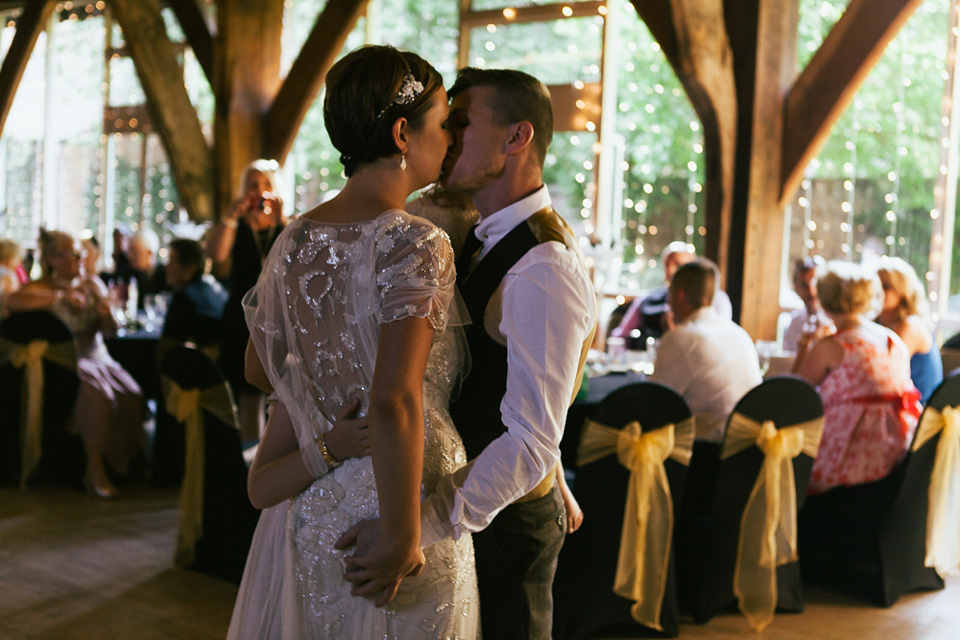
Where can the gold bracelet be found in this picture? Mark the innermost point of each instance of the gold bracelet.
(229, 224)
(332, 463)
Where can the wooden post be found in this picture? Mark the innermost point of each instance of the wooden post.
(776, 46)
(246, 79)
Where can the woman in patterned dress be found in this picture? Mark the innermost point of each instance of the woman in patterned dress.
(108, 414)
(862, 371)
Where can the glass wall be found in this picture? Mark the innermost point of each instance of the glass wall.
(870, 192)
(77, 151)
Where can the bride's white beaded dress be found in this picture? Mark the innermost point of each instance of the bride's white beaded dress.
(315, 315)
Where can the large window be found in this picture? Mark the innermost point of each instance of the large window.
(77, 151)
(871, 191)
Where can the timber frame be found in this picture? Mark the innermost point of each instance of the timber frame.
(736, 59)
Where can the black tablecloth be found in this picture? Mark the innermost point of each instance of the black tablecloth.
(137, 353)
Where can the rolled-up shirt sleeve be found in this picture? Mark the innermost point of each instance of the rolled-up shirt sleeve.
(543, 312)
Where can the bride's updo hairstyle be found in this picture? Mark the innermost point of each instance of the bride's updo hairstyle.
(366, 92)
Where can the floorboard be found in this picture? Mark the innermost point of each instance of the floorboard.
(76, 568)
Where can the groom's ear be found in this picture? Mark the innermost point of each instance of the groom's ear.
(521, 135)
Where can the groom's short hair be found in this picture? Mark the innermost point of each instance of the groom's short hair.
(518, 97)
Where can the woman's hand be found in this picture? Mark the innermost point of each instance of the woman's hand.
(808, 339)
(74, 299)
(273, 207)
(350, 436)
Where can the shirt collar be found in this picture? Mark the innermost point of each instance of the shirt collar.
(702, 313)
(498, 224)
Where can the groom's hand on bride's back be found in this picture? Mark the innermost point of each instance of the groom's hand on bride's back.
(377, 566)
(350, 435)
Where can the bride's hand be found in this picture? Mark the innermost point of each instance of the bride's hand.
(377, 566)
(350, 436)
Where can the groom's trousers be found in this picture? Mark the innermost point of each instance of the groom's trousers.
(516, 561)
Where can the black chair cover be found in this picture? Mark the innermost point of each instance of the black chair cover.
(870, 540)
(708, 529)
(62, 458)
(584, 601)
(228, 517)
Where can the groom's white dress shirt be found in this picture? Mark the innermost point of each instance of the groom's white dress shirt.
(543, 311)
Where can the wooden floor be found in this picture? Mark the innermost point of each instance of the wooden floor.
(74, 568)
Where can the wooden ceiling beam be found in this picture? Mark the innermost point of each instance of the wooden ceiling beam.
(302, 84)
(30, 25)
(198, 34)
(656, 14)
(174, 117)
(827, 85)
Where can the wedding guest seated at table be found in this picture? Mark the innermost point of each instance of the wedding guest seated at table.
(91, 255)
(708, 359)
(150, 275)
(905, 312)
(9, 279)
(811, 316)
(862, 372)
(108, 415)
(650, 315)
(196, 296)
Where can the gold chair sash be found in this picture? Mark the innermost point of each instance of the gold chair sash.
(187, 405)
(768, 528)
(648, 514)
(943, 510)
(30, 357)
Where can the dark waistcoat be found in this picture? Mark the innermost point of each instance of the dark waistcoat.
(476, 412)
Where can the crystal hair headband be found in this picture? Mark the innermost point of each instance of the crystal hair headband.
(410, 89)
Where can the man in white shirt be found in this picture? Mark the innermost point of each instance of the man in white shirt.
(812, 316)
(709, 360)
(533, 312)
(649, 316)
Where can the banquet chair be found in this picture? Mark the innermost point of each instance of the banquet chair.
(38, 356)
(216, 517)
(584, 599)
(200, 331)
(950, 357)
(716, 530)
(869, 540)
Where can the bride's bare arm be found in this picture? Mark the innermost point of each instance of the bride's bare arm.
(253, 369)
(278, 470)
(396, 423)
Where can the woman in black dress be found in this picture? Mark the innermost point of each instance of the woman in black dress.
(244, 235)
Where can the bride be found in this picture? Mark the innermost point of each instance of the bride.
(355, 302)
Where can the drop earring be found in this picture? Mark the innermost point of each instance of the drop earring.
(403, 162)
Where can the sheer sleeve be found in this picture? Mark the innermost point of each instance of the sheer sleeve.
(267, 307)
(415, 273)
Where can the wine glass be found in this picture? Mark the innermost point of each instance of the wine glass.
(150, 310)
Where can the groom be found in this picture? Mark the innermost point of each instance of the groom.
(532, 307)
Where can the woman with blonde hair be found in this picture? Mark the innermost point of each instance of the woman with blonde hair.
(905, 311)
(862, 371)
(244, 236)
(108, 414)
(9, 280)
